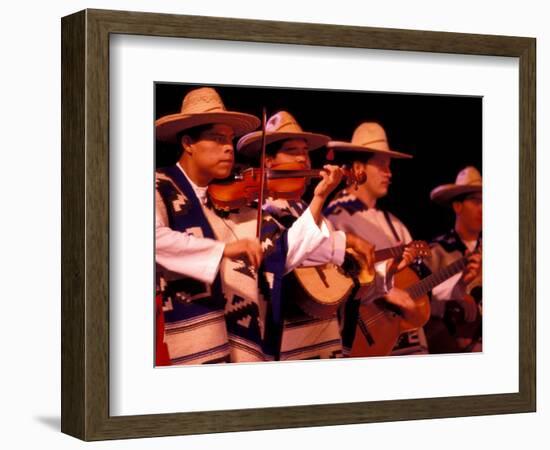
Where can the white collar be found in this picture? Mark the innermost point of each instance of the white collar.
(200, 191)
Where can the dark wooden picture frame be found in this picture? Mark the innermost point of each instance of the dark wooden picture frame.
(85, 224)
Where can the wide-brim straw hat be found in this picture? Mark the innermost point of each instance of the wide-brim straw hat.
(279, 127)
(468, 181)
(368, 137)
(203, 106)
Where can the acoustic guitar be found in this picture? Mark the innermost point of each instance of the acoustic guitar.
(319, 290)
(452, 333)
(380, 324)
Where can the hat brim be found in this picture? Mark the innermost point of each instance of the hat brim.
(349, 147)
(446, 193)
(168, 127)
(250, 144)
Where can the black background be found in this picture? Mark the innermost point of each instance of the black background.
(442, 132)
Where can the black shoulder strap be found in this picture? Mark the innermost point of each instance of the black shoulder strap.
(388, 219)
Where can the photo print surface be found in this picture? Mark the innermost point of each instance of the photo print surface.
(370, 213)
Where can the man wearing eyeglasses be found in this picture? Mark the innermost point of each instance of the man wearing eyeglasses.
(455, 323)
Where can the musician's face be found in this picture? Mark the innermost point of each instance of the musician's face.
(291, 151)
(378, 172)
(469, 212)
(211, 155)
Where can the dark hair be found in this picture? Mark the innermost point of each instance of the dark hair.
(194, 133)
(273, 148)
(460, 198)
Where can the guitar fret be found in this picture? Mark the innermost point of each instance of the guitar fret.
(422, 287)
(386, 253)
(397, 251)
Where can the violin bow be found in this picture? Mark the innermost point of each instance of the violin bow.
(261, 195)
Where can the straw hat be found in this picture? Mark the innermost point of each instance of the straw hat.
(368, 137)
(203, 106)
(279, 127)
(468, 181)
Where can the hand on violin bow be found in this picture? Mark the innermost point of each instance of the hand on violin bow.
(248, 249)
(473, 267)
(331, 177)
(364, 248)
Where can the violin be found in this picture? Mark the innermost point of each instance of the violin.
(285, 181)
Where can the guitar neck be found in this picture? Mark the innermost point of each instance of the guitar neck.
(387, 253)
(423, 286)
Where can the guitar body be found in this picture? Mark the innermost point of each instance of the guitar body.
(404, 279)
(321, 289)
(453, 334)
(377, 330)
(380, 323)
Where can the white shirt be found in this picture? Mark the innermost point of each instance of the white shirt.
(330, 248)
(189, 254)
(371, 225)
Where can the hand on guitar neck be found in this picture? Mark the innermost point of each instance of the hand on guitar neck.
(473, 267)
(407, 258)
(401, 256)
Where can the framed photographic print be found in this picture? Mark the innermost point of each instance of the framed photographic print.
(148, 99)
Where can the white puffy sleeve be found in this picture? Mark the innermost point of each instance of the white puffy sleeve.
(189, 254)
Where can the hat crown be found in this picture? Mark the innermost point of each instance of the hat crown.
(282, 122)
(469, 176)
(202, 100)
(370, 135)
(468, 181)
